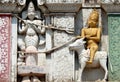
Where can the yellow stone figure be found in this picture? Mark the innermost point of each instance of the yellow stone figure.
(92, 34)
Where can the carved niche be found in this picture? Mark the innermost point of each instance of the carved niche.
(31, 39)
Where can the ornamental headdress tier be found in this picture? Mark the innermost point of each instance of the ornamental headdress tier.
(94, 16)
(31, 8)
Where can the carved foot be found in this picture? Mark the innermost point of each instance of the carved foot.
(79, 80)
(89, 62)
(103, 80)
(26, 79)
(35, 79)
(100, 80)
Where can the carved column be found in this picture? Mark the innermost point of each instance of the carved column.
(114, 46)
(14, 50)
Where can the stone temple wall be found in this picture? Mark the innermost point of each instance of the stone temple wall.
(63, 60)
(61, 64)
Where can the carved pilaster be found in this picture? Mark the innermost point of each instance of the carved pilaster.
(114, 46)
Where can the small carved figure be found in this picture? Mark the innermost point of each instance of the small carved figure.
(31, 35)
(33, 30)
(92, 34)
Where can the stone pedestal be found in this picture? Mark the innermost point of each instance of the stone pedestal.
(31, 70)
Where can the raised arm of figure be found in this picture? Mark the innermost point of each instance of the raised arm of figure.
(22, 28)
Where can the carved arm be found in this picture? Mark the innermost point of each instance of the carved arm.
(22, 28)
(97, 37)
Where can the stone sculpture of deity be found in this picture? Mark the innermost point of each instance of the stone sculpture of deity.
(92, 34)
(29, 39)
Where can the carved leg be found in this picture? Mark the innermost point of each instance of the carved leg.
(83, 64)
(35, 79)
(84, 1)
(104, 66)
(92, 54)
(26, 79)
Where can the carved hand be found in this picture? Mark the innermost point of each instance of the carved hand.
(78, 37)
(87, 36)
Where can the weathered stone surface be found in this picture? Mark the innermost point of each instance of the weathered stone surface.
(63, 60)
(62, 63)
(66, 22)
(41, 59)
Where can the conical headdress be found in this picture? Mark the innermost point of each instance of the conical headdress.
(31, 8)
(94, 15)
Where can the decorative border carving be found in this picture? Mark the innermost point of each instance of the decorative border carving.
(4, 48)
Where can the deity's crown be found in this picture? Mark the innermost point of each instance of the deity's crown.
(31, 8)
(94, 15)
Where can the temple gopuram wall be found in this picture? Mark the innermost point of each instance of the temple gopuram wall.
(35, 38)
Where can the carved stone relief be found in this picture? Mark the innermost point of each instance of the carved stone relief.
(64, 16)
(31, 36)
(60, 21)
(63, 60)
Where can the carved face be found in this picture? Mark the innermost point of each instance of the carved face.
(93, 19)
(31, 15)
(92, 23)
(31, 11)
(79, 43)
